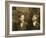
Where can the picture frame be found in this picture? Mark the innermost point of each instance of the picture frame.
(10, 6)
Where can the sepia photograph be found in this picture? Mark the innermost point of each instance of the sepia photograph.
(25, 18)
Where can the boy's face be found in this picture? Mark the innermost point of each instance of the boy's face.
(22, 17)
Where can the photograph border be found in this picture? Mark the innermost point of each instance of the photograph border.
(7, 3)
(29, 31)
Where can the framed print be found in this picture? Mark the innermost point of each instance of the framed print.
(24, 18)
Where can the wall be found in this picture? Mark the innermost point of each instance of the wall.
(2, 19)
